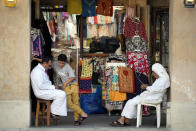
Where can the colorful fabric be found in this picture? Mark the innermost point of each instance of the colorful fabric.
(74, 7)
(36, 45)
(130, 29)
(95, 20)
(115, 84)
(117, 96)
(91, 31)
(138, 62)
(89, 8)
(85, 86)
(126, 80)
(115, 105)
(87, 68)
(105, 7)
(136, 44)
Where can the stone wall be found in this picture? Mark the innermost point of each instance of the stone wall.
(182, 66)
(15, 64)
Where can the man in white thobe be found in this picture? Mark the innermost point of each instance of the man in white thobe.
(43, 88)
(153, 94)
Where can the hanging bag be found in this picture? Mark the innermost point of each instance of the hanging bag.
(126, 80)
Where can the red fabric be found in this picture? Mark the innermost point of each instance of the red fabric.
(105, 7)
(138, 61)
(130, 28)
(95, 20)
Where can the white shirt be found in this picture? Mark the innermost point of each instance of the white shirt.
(40, 81)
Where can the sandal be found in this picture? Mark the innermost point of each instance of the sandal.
(83, 118)
(117, 123)
(77, 123)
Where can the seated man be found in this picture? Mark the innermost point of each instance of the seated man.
(43, 88)
(70, 86)
(152, 94)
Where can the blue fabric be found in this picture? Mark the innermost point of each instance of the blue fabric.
(89, 8)
(92, 103)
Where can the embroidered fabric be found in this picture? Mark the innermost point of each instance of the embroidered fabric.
(105, 7)
(138, 61)
(131, 27)
(89, 8)
(136, 44)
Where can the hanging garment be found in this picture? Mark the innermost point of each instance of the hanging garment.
(115, 84)
(85, 85)
(87, 68)
(89, 8)
(43, 89)
(126, 80)
(74, 7)
(105, 7)
(130, 29)
(139, 80)
(117, 96)
(121, 22)
(129, 12)
(138, 62)
(136, 44)
(36, 45)
(95, 20)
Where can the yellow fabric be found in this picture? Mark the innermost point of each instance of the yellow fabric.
(87, 68)
(73, 100)
(74, 7)
(117, 96)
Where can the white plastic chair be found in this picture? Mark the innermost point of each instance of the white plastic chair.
(158, 113)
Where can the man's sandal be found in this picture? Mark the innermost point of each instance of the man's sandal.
(117, 123)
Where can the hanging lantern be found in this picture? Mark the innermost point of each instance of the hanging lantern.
(10, 3)
(189, 3)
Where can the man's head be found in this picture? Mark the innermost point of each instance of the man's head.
(47, 62)
(62, 60)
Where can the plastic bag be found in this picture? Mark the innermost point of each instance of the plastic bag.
(92, 103)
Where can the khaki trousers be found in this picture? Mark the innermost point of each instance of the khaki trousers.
(72, 94)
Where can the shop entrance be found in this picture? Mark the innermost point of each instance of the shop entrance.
(82, 39)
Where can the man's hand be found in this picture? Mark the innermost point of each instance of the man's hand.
(56, 87)
(144, 86)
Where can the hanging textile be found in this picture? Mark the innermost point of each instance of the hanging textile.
(126, 80)
(138, 61)
(129, 12)
(89, 8)
(115, 80)
(85, 85)
(37, 43)
(136, 44)
(105, 7)
(86, 68)
(74, 7)
(131, 26)
(117, 96)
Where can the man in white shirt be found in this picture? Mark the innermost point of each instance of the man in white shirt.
(43, 88)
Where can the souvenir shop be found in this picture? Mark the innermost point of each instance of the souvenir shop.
(110, 44)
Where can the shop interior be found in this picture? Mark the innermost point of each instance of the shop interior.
(97, 46)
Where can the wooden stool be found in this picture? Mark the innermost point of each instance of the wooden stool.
(47, 116)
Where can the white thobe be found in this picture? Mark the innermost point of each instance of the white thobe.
(153, 94)
(43, 89)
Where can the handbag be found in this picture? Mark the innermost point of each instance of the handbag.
(126, 80)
